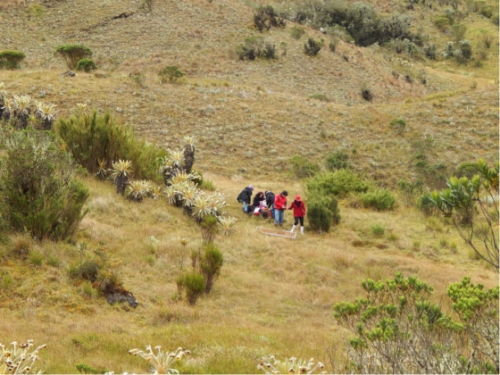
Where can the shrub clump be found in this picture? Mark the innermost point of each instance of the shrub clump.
(10, 59)
(170, 74)
(73, 53)
(322, 212)
(193, 284)
(380, 199)
(40, 192)
(337, 160)
(210, 265)
(338, 183)
(266, 17)
(312, 47)
(86, 65)
(254, 47)
(296, 32)
(91, 138)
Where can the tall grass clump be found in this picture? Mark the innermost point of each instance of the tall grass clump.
(41, 195)
(92, 138)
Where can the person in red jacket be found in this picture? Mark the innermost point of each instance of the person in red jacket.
(299, 211)
(279, 208)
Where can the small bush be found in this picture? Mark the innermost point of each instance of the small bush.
(209, 228)
(170, 74)
(487, 11)
(378, 230)
(86, 270)
(73, 53)
(367, 94)
(210, 265)
(337, 160)
(312, 47)
(207, 185)
(379, 199)
(333, 45)
(194, 285)
(441, 22)
(338, 183)
(296, 32)
(10, 59)
(319, 215)
(86, 65)
(303, 167)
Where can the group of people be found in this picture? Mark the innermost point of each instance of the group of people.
(267, 204)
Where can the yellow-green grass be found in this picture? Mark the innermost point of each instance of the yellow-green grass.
(274, 295)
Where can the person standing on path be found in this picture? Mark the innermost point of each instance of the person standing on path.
(299, 211)
(279, 208)
(245, 197)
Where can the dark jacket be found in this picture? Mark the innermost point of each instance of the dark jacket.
(245, 196)
(269, 198)
(299, 208)
(258, 197)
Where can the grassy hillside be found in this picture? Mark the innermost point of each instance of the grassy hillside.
(274, 295)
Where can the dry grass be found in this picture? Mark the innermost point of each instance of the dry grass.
(274, 295)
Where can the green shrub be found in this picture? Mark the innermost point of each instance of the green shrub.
(410, 191)
(312, 47)
(210, 265)
(296, 32)
(379, 199)
(378, 230)
(254, 47)
(86, 270)
(426, 205)
(322, 211)
(302, 167)
(170, 74)
(466, 169)
(92, 138)
(194, 285)
(337, 160)
(209, 228)
(487, 11)
(86, 65)
(10, 59)
(333, 44)
(41, 194)
(339, 183)
(73, 53)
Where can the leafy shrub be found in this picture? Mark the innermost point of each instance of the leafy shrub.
(296, 32)
(487, 11)
(302, 167)
(385, 332)
(86, 65)
(209, 228)
(463, 53)
(378, 230)
(338, 183)
(441, 22)
(254, 47)
(193, 284)
(319, 213)
(73, 53)
(171, 74)
(312, 47)
(87, 269)
(92, 138)
(210, 265)
(379, 199)
(41, 194)
(337, 160)
(430, 51)
(10, 59)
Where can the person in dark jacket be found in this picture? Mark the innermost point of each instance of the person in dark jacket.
(245, 197)
(270, 201)
(299, 211)
(257, 199)
(279, 208)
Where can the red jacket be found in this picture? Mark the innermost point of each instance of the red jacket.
(299, 208)
(280, 202)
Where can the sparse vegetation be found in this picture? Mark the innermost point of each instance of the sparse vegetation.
(170, 74)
